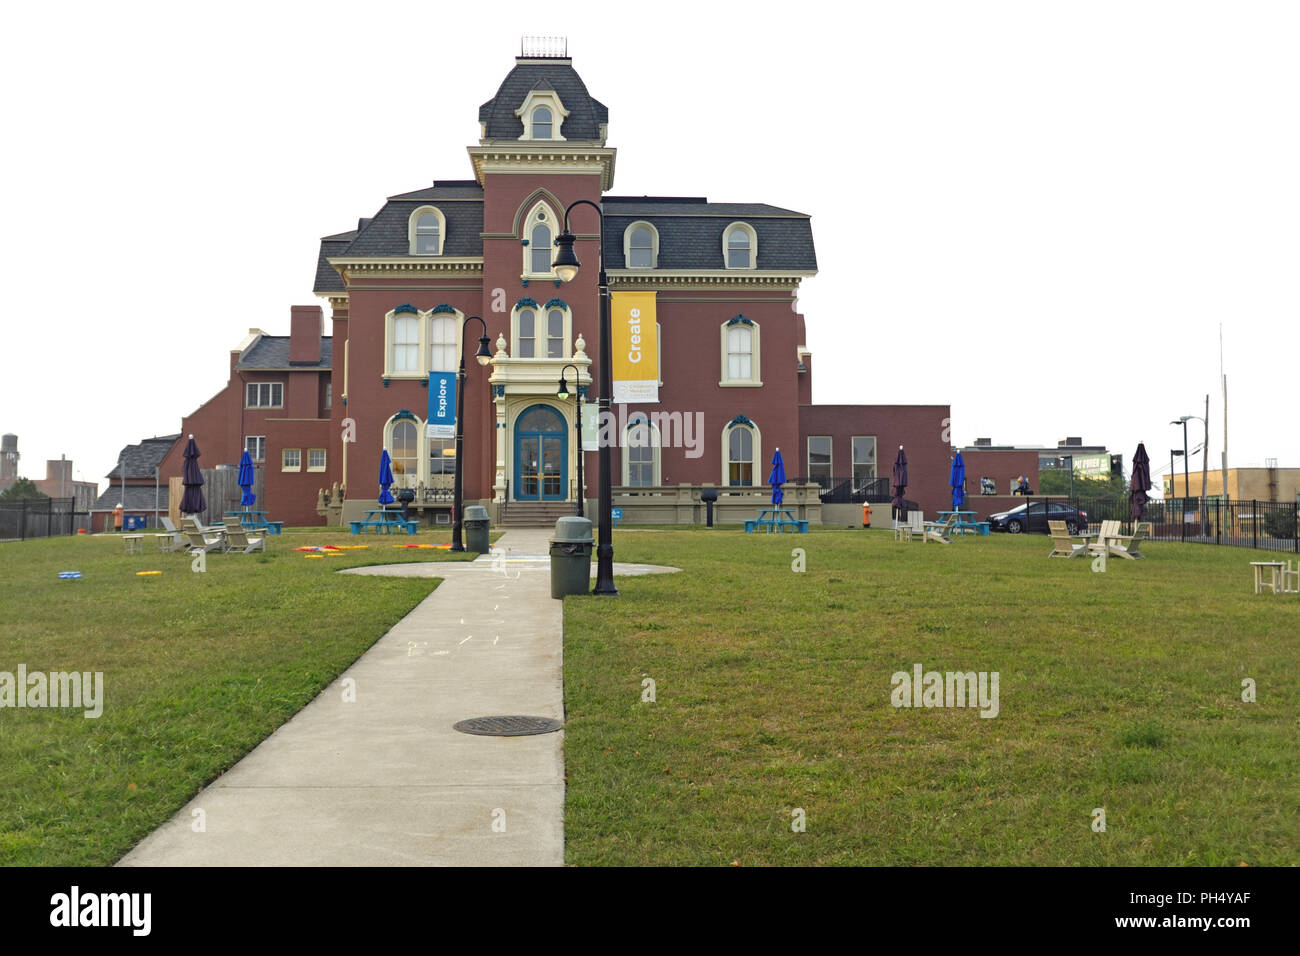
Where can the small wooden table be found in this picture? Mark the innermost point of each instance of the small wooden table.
(134, 543)
(1275, 578)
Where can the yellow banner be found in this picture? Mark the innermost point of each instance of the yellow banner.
(635, 344)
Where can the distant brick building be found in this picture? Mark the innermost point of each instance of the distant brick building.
(401, 285)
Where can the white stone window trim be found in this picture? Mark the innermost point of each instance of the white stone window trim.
(549, 99)
(530, 222)
(654, 244)
(423, 342)
(413, 222)
(753, 245)
(758, 478)
(291, 459)
(755, 369)
(324, 459)
(421, 448)
(541, 326)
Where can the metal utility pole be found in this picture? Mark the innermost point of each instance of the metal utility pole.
(1205, 469)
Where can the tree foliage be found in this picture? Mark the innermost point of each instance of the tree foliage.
(22, 488)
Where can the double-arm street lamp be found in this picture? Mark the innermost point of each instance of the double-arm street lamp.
(566, 266)
(483, 356)
(563, 394)
(1205, 453)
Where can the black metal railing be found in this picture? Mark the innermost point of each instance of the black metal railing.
(850, 491)
(1269, 525)
(41, 518)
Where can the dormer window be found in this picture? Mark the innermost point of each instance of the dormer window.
(541, 123)
(641, 246)
(740, 246)
(542, 115)
(426, 231)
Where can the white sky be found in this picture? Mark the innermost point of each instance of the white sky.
(1037, 212)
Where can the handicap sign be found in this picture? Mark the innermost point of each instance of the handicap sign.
(616, 513)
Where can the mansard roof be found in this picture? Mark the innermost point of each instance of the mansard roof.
(586, 113)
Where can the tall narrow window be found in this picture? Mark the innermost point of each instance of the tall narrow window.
(555, 334)
(442, 344)
(405, 453)
(526, 347)
(641, 448)
(539, 247)
(427, 235)
(738, 249)
(740, 456)
(641, 249)
(740, 353)
(541, 123)
(864, 462)
(406, 344)
(255, 445)
(819, 459)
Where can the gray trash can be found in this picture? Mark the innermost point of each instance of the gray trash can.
(571, 557)
(476, 529)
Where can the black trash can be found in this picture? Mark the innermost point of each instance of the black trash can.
(571, 557)
(476, 529)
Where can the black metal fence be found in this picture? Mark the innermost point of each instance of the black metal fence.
(1271, 525)
(850, 491)
(41, 518)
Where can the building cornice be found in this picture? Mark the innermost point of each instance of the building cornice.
(406, 266)
(706, 278)
(567, 159)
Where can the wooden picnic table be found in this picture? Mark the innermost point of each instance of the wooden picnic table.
(966, 522)
(256, 520)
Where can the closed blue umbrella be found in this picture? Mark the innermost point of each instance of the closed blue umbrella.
(957, 481)
(385, 478)
(246, 479)
(192, 502)
(1139, 483)
(777, 478)
(900, 485)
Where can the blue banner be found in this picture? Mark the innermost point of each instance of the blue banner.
(442, 405)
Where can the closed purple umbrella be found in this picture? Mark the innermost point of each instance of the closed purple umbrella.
(1139, 483)
(192, 501)
(900, 485)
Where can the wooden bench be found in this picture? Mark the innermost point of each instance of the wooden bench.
(134, 543)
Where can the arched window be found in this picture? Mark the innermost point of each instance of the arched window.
(740, 246)
(426, 231)
(740, 352)
(541, 123)
(641, 246)
(540, 244)
(555, 333)
(442, 343)
(406, 343)
(741, 453)
(526, 340)
(404, 448)
(640, 452)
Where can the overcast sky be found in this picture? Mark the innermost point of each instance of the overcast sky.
(1036, 212)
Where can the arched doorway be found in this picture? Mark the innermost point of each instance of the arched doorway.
(541, 455)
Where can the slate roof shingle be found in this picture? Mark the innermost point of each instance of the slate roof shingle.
(271, 352)
(143, 458)
(139, 499)
(586, 113)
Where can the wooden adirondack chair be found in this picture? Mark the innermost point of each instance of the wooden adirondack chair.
(1063, 543)
(1129, 546)
(240, 540)
(939, 531)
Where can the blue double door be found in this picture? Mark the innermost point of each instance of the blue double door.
(541, 455)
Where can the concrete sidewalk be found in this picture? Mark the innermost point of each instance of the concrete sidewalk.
(384, 780)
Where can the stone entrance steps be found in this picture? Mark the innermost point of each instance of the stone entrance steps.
(536, 514)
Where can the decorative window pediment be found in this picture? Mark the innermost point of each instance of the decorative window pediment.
(543, 115)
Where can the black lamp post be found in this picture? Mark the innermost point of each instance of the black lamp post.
(562, 394)
(1187, 485)
(483, 356)
(566, 266)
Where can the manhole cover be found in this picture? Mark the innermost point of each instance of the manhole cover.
(512, 726)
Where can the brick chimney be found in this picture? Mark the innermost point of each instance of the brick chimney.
(306, 323)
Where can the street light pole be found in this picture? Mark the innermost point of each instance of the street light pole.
(566, 266)
(562, 394)
(483, 356)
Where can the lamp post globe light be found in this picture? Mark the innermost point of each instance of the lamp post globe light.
(566, 267)
(562, 394)
(482, 356)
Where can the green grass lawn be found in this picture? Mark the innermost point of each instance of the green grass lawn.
(198, 669)
(1119, 690)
